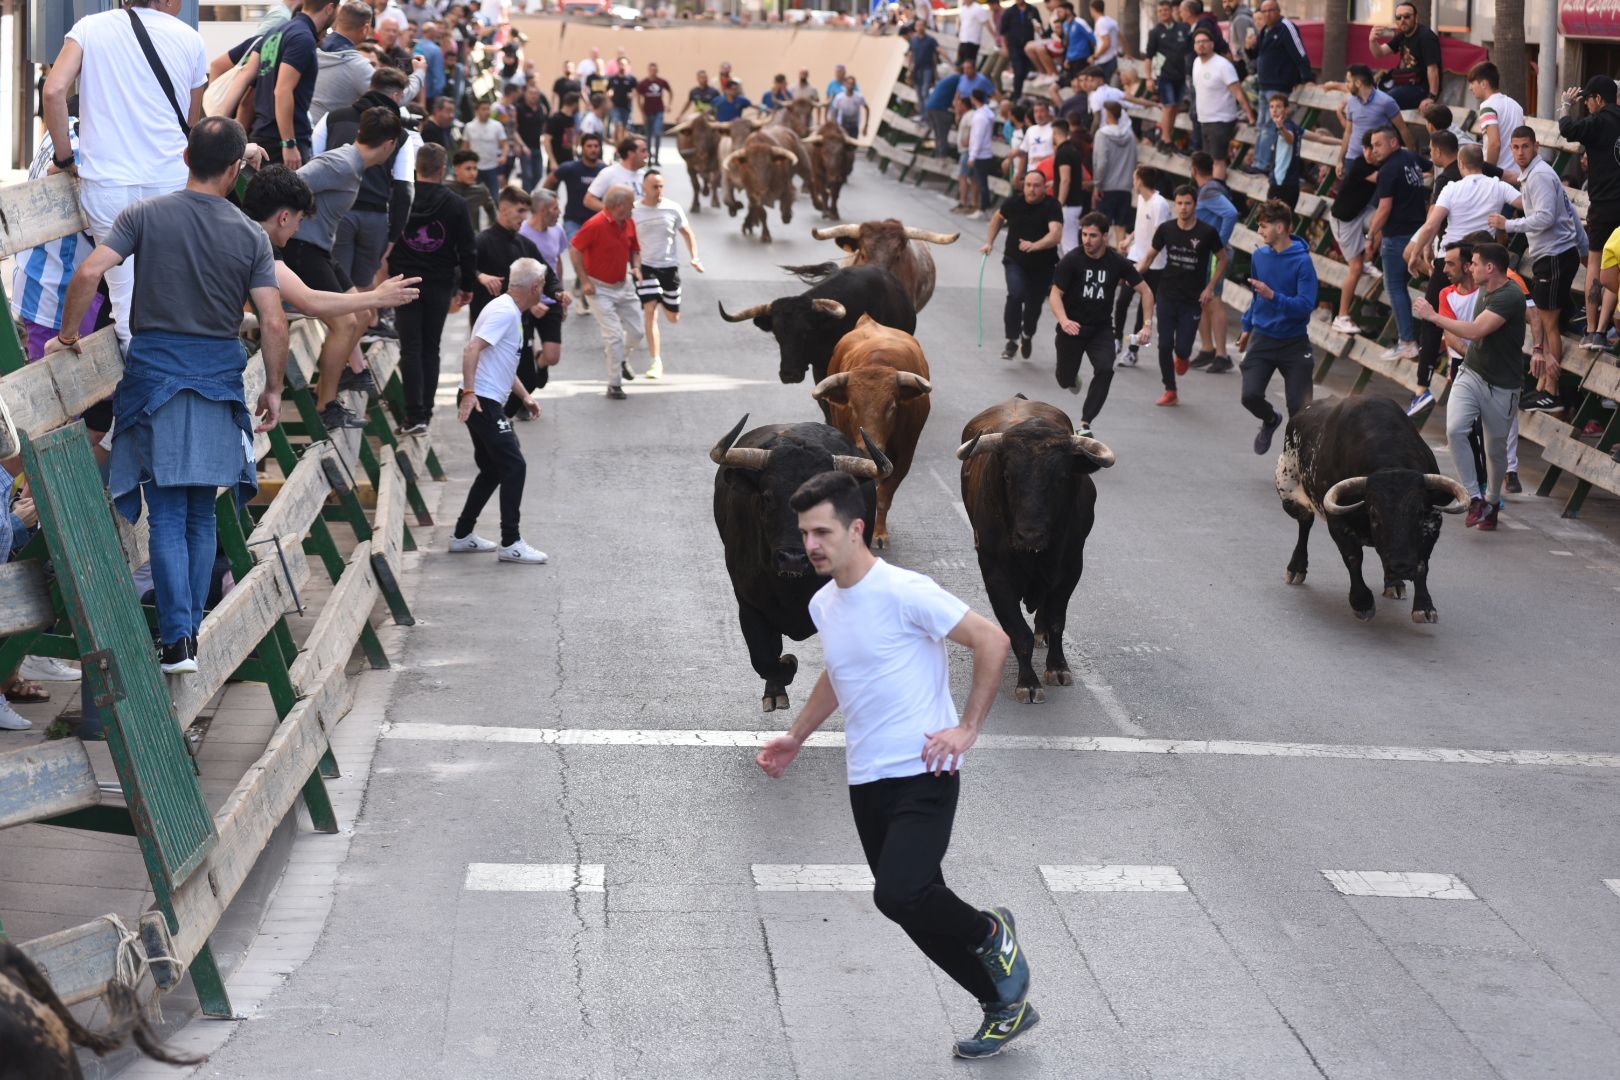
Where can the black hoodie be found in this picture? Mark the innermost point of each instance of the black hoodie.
(1599, 134)
(438, 244)
(379, 190)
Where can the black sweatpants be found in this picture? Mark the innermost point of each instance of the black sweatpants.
(1122, 305)
(1266, 355)
(420, 324)
(499, 458)
(1028, 288)
(1430, 341)
(1178, 330)
(905, 826)
(1097, 345)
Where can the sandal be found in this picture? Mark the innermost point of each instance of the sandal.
(23, 692)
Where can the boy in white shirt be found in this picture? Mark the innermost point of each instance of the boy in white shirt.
(1498, 116)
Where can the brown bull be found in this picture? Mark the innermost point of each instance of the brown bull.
(878, 382)
(832, 158)
(891, 244)
(699, 142)
(798, 115)
(763, 168)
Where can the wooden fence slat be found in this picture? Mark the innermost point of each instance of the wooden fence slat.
(25, 598)
(337, 629)
(296, 505)
(1560, 447)
(48, 393)
(38, 211)
(82, 961)
(388, 525)
(44, 780)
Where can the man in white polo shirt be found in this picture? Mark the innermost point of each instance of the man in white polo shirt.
(883, 632)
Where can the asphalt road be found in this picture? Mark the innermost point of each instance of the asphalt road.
(672, 962)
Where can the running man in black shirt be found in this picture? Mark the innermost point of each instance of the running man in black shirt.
(1185, 286)
(1034, 226)
(1082, 300)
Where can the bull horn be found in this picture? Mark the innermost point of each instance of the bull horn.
(811, 140)
(829, 307)
(785, 154)
(746, 313)
(836, 232)
(829, 384)
(1351, 488)
(1459, 494)
(746, 457)
(911, 379)
(718, 453)
(1093, 449)
(731, 159)
(928, 236)
(982, 443)
(876, 467)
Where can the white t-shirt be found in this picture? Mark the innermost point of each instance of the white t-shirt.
(1212, 80)
(1469, 202)
(615, 174)
(884, 643)
(1038, 143)
(1503, 111)
(500, 324)
(404, 162)
(1102, 96)
(128, 133)
(487, 138)
(657, 228)
(1106, 25)
(585, 69)
(1461, 307)
(972, 22)
(1150, 214)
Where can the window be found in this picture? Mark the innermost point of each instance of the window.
(1455, 16)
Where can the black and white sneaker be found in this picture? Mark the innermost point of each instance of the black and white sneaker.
(1010, 350)
(1026, 345)
(360, 382)
(178, 658)
(336, 417)
(1539, 401)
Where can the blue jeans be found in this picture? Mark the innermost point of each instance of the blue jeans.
(1265, 142)
(655, 134)
(1395, 279)
(923, 80)
(491, 178)
(529, 165)
(1028, 289)
(182, 547)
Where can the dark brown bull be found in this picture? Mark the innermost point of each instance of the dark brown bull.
(699, 142)
(798, 114)
(763, 168)
(891, 244)
(832, 159)
(878, 383)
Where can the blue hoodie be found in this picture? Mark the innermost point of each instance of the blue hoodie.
(1216, 210)
(1292, 278)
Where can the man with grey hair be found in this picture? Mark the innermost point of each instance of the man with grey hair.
(489, 375)
(607, 258)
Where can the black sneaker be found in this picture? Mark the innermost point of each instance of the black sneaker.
(336, 417)
(178, 658)
(1204, 358)
(1025, 345)
(357, 381)
(1262, 439)
(1219, 366)
(1513, 485)
(616, 393)
(1539, 401)
(1003, 960)
(1011, 349)
(1000, 1027)
(625, 372)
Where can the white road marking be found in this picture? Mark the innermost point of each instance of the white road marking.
(1108, 700)
(1080, 744)
(812, 877)
(1613, 884)
(536, 877)
(1104, 878)
(1509, 523)
(1563, 554)
(1399, 883)
(950, 493)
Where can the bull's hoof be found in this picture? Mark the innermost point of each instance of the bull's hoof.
(1029, 695)
(1395, 590)
(880, 541)
(1364, 616)
(1429, 616)
(1058, 678)
(1294, 577)
(773, 701)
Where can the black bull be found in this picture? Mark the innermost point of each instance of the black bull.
(1362, 465)
(770, 573)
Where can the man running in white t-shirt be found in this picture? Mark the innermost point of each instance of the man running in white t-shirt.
(658, 222)
(883, 632)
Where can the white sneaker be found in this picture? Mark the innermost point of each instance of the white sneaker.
(521, 552)
(1344, 324)
(47, 669)
(11, 719)
(977, 215)
(1371, 271)
(655, 371)
(1401, 350)
(471, 542)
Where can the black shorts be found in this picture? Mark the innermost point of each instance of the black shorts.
(1218, 139)
(661, 283)
(315, 267)
(1600, 225)
(1551, 277)
(1117, 205)
(549, 329)
(964, 51)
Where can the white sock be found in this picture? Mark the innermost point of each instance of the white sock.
(658, 360)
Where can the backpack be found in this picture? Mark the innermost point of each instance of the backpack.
(225, 95)
(1082, 42)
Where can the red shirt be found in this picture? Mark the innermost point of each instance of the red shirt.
(606, 246)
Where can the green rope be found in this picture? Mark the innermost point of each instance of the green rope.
(983, 262)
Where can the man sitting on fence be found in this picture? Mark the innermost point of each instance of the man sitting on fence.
(182, 427)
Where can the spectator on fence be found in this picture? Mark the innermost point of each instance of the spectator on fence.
(607, 259)
(284, 93)
(489, 375)
(659, 221)
(1275, 324)
(1216, 210)
(342, 71)
(1037, 143)
(1219, 96)
(1098, 94)
(1049, 50)
(1068, 184)
(1487, 388)
(1350, 216)
(1017, 27)
(1499, 116)
(967, 184)
(1197, 18)
(975, 20)
(1402, 207)
(1113, 157)
(1557, 247)
(1034, 224)
(972, 79)
(182, 429)
(981, 150)
(1191, 246)
(545, 230)
(465, 183)
(1105, 28)
(1364, 110)
(1437, 117)
(1152, 210)
(134, 117)
(1280, 64)
(488, 138)
(1284, 175)
(924, 48)
(937, 109)
(1598, 132)
(1169, 51)
(439, 247)
(1242, 31)
(1417, 71)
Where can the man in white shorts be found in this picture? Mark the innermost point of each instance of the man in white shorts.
(658, 221)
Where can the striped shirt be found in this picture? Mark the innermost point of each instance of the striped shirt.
(39, 286)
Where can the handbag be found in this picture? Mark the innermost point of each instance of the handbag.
(158, 69)
(225, 94)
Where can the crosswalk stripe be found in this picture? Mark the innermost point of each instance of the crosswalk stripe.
(1102, 744)
(536, 877)
(1613, 884)
(1098, 877)
(1399, 883)
(812, 877)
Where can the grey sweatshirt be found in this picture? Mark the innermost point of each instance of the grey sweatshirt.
(1550, 220)
(1113, 157)
(342, 76)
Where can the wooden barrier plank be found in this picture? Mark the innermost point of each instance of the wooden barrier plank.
(906, 124)
(257, 806)
(383, 358)
(296, 505)
(412, 454)
(304, 340)
(82, 961)
(904, 92)
(235, 628)
(388, 526)
(25, 599)
(45, 780)
(36, 211)
(1602, 380)
(1561, 448)
(49, 393)
(337, 629)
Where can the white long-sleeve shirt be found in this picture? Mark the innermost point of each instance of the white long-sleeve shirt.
(984, 126)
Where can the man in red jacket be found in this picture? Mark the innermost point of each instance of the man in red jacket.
(605, 252)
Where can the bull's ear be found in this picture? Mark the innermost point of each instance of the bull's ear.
(848, 243)
(763, 322)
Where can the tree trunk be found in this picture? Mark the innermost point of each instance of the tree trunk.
(1335, 31)
(1507, 49)
(1130, 27)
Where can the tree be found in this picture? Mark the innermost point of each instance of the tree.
(1335, 31)
(1508, 51)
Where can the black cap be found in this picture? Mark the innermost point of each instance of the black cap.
(1599, 86)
